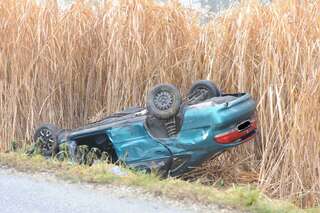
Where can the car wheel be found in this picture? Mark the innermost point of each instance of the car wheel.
(46, 137)
(203, 90)
(164, 101)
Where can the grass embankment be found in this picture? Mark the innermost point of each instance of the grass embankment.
(244, 198)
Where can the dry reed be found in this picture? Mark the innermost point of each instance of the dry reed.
(67, 66)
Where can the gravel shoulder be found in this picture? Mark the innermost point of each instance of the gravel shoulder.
(42, 192)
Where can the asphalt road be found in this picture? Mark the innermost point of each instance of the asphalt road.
(21, 193)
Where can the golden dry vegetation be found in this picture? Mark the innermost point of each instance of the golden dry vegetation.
(68, 66)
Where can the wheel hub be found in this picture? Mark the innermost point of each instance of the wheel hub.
(47, 139)
(163, 100)
(202, 93)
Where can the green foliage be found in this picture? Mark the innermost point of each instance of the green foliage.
(13, 146)
(35, 148)
(84, 154)
(63, 153)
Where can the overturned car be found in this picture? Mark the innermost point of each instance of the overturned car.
(170, 135)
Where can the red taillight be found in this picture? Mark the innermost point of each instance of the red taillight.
(233, 135)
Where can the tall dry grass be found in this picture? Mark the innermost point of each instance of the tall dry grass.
(67, 66)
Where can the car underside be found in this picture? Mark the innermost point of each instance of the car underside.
(170, 135)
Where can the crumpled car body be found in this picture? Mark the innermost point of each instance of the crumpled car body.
(140, 141)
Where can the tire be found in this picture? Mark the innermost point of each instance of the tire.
(203, 90)
(164, 101)
(48, 135)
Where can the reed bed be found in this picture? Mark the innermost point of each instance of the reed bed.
(69, 66)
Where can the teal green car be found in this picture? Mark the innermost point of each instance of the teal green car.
(170, 135)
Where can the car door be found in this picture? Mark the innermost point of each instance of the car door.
(134, 146)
